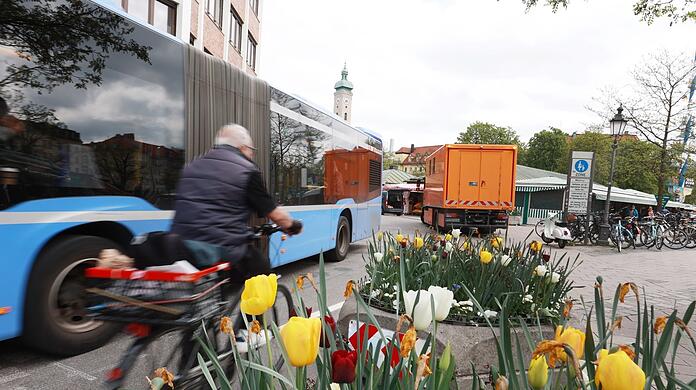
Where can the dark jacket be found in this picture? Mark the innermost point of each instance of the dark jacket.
(211, 200)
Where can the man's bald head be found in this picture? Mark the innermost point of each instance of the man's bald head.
(234, 135)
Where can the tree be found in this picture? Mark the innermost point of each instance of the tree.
(657, 107)
(82, 37)
(548, 149)
(487, 133)
(637, 165)
(390, 161)
(647, 10)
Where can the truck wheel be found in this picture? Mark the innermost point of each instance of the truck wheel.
(55, 317)
(342, 241)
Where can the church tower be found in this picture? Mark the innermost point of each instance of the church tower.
(343, 97)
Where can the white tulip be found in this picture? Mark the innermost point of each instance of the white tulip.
(395, 304)
(379, 256)
(555, 277)
(540, 270)
(456, 233)
(443, 301)
(448, 247)
(505, 260)
(375, 293)
(466, 303)
(455, 303)
(422, 313)
(528, 298)
(490, 313)
(335, 386)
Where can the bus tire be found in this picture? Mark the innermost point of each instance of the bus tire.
(342, 241)
(57, 284)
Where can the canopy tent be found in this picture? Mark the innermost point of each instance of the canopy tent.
(395, 176)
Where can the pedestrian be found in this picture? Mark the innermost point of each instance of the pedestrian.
(651, 213)
(633, 212)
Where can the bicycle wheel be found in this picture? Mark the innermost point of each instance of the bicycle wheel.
(691, 235)
(647, 238)
(594, 233)
(674, 238)
(627, 240)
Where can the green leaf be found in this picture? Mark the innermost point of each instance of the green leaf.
(216, 363)
(206, 372)
(590, 351)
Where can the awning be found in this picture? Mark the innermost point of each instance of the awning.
(523, 188)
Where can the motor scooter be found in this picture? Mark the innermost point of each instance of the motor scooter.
(555, 231)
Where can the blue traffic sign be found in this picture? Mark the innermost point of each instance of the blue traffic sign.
(581, 166)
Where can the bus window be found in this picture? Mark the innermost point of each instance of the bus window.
(87, 130)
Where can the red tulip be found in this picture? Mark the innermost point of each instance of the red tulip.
(343, 363)
(546, 257)
(324, 341)
(293, 313)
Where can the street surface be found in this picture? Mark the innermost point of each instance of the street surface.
(668, 276)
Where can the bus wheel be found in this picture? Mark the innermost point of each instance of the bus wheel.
(342, 241)
(55, 307)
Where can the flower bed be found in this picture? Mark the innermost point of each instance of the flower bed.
(491, 271)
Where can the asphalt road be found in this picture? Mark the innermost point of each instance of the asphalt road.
(668, 277)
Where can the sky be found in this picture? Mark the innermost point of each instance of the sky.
(423, 70)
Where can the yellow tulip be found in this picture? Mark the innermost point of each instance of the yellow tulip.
(301, 340)
(380, 235)
(466, 246)
(538, 373)
(616, 371)
(417, 242)
(485, 256)
(399, 237)
(448, 237)
(573, 337)
(496, 242)
(259, 294)
(536, 246)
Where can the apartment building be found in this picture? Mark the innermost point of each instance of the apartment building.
(226, 29)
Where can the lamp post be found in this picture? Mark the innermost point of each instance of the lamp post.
(617, 126)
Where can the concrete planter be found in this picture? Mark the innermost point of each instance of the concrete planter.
(469, 343)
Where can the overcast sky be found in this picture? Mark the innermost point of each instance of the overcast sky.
(424, 70)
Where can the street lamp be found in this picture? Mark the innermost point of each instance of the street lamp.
(617, 124)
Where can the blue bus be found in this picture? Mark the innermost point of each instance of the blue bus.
(97, 118)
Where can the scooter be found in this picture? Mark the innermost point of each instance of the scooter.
(555, 231)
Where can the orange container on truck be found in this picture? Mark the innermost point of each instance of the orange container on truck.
(470, 186)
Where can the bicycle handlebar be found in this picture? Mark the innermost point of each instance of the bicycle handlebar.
(267, 229)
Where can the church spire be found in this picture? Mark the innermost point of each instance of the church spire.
(343, 95)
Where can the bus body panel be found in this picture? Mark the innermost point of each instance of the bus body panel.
(35, 223)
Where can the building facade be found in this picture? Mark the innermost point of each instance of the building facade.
(413, 158)
(226, 29)
(343, 96)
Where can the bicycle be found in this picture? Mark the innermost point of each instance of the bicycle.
(175, 309)
(619, 235)
(652, 232)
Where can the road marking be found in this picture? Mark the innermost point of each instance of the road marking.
(75, 372)
(13, 377)
(331, 309)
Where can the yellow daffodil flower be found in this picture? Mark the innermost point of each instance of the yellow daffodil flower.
(485, 256)
(417, 242)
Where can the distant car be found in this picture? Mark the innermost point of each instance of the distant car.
(392, 202)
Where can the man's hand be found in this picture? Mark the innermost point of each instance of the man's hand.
(295, 228)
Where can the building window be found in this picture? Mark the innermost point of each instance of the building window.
(345, 116)
(255, 6)
(214, 9)
(159, 13)
(235, 31)
(251, 52)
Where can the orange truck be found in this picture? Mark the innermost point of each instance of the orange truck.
(470, 186)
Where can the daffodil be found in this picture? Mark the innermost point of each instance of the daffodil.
(505, 260)
(535, 246)
(259, 294)
(616, 371)
(418, 242)
(448, 237)
(301, 340)
(496, 242)
(378, 256)
(399, 237)
(538, 373)
(485, 256)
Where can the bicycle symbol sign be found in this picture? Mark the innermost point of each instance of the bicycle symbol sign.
(581, 166)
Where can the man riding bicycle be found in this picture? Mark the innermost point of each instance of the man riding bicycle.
(214, 200)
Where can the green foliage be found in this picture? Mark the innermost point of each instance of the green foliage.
(487, 133)
(647, 10)
(256, 373)
(390, 161)
(456, 264)
(655, 349)
(548, 149)
(632, 154)
(598, 143)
